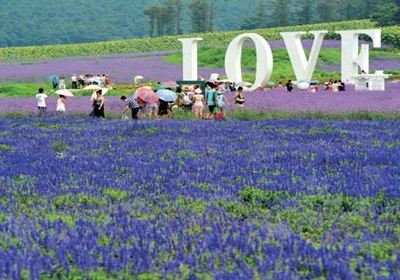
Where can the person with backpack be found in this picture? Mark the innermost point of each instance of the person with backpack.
(187, 99)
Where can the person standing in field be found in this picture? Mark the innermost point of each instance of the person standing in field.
(211, 98)
(239, 97)
(98, 105)
(221, 100)
(41, 101)
(74, 81)
(198, 105)
(61, 102)
(61, 84)
(289, 86)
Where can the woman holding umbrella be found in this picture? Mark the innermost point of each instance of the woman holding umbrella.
(61, 102)
(148, 99)
(166, 96)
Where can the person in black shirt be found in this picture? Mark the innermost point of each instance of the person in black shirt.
(289, 86)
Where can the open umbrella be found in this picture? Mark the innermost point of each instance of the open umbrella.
(146, 94)
(303, 85)
(96, 80)
(92, 87)
(244, 85)
(167, 95)
(169, 84)
(54, 79)
(64, 92)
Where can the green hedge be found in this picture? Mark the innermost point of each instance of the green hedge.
(391, 35)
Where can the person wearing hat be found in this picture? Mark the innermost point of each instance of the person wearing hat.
(187, 98)
(198, 105)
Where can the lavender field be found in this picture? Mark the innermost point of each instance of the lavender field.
(122, 68)
(277, 100)
(293, 199)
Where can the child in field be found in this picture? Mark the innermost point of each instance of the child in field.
(41, 101)
(61, 102)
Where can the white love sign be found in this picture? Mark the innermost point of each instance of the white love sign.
(353, 60)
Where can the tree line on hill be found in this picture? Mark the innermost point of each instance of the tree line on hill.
(41, 22)
(165, 18)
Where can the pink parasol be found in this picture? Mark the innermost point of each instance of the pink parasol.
(146, 94)
(169, 84)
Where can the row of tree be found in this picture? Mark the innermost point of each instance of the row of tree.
(165, 18)
(40, 22)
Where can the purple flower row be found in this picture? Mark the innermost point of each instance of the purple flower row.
(272, 100)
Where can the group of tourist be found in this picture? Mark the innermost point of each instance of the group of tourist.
(189, 98)
(208, 104)
(81, 81)
(335, 86)
(331, 85)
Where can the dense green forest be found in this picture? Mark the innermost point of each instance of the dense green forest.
(41, 22)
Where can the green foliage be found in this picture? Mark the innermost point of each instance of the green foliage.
(387, 14)
(390, 35)
(5, 148)
(22, 89)
(60, 146)
(115, 195)
(200, 14)
(73, 21)
(260, 197)
(164, 18)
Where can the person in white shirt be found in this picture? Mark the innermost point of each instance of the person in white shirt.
(41, 101)
(61, 85)
(74, 80)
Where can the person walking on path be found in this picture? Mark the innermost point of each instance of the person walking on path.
(131, 104)
(41, 101)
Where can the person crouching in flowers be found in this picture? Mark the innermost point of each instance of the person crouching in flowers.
(130, 104)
